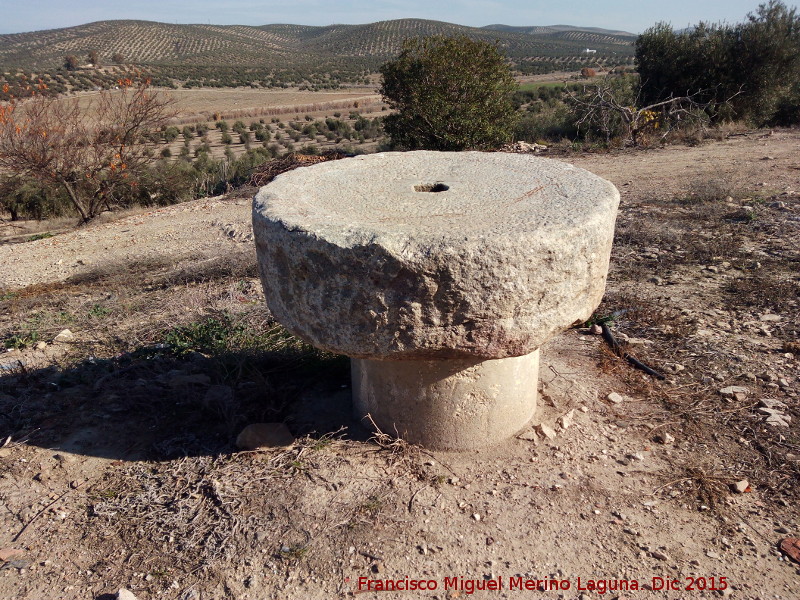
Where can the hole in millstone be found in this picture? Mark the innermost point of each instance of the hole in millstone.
(431, 187)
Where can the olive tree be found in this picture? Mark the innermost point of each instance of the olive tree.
(449, 94)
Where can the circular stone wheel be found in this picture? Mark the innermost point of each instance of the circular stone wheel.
(430, 255)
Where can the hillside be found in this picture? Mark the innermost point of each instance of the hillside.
(590, 34)
(286, 54)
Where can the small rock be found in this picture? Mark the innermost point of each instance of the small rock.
(64, 458)
(9, 553)
(665, 438)
(770, 317)
(659, 555)
(529, 436)
(124, 594)
(712, 554)
(615, 398)
(566, 420)
(264, 435)
(740, 487)
(735, 391)
(771, 404)
(476, 516)
(64, 337)
(791, 547)
(779, 420)
(596, 329)
(41, 345)
(547, 431)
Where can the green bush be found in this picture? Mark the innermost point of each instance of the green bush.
(171, 134)
(448, 94)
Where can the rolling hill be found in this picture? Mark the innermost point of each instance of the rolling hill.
(281, 53)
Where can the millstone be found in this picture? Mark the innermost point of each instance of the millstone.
(432, 269)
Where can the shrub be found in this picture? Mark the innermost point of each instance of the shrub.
(171, 134)
(448, 94)
(96, 166)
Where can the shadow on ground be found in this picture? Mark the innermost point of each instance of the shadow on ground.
(157, 404)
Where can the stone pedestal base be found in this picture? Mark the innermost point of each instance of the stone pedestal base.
(447, 404)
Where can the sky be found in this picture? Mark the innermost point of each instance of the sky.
(628, 15)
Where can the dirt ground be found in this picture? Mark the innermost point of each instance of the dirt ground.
(119, 468)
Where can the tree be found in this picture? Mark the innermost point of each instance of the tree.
(95, 152)
(70, 62)
(94, 58)
(118, 58)
(449, 94)
(743, 71)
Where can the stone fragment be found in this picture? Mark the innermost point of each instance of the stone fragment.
(737, 392)
(547, 431)
(9, 553)
(616, 398)
(771, 403)
(770, 317)
(665, 438)
(529, 436)
(264, 435)
(778, 420)
(124, 594)
(791, 546)
(740, 487)
(596, 329)
(64, 337)
(659, 555)
(566, 420)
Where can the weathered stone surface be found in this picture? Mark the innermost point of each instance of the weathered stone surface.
(356, 261)
(457, 404)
